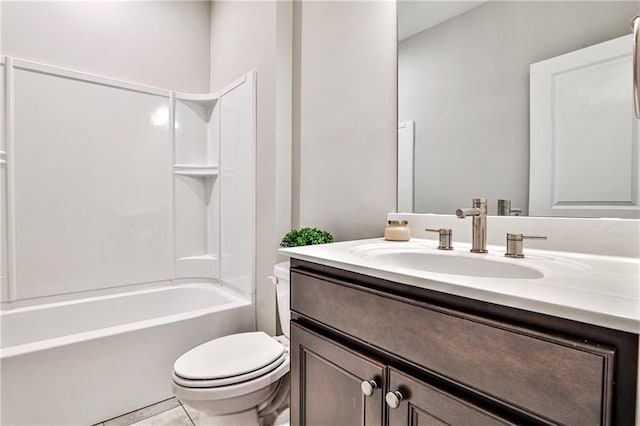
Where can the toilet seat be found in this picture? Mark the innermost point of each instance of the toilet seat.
(231, 360)
(234, 390)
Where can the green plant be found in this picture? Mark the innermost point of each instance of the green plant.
(305, 237)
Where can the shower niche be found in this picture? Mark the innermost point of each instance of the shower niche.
(107, 183)
(196, 152)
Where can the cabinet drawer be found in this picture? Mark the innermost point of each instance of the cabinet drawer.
(554, 379)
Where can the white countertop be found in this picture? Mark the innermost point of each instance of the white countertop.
(600, 290)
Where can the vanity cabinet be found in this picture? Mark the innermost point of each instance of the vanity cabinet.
(442, 359)
(335, 385)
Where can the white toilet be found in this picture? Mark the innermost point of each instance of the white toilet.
(240, 379)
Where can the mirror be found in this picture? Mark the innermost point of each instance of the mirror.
(464, 91)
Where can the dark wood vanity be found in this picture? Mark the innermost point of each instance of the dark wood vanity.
(443, 359)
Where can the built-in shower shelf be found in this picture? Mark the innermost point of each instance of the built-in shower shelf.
(197, 266)
(195, 170)
(200, 103)
(201, 257)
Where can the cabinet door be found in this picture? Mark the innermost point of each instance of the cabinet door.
(326, 383)
(415, 403)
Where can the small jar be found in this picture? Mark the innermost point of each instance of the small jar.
(397, 230)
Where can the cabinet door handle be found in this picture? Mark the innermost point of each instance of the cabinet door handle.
(393, 399)
(368, 387)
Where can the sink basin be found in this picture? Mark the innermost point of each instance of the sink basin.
(447, 263)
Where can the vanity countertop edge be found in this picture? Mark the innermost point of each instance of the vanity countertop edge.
(598, 293)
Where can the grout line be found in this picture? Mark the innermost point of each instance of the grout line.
(131, 414)
(187, 413)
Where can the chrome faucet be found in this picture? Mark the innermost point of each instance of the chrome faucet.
(479, 224)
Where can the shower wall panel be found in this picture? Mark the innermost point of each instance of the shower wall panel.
(106, 183)
(92, 201)
(237, 184)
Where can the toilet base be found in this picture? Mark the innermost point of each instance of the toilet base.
(281, 419)
(245, 418)
(234, 411)
(255, 402)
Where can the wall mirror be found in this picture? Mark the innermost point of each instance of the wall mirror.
(467, 106)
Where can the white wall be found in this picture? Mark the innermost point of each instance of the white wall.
(465, 83)
(243, 38)
(158, 43)
(345, 129)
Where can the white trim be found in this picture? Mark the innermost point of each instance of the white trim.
(212, 207)
(86, 77)
(3, 220)
(218, 201)
(172, 185)
(12, 288)
(405, 167)
(252, 80)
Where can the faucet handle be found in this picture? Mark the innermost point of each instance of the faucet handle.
(505, 209)
(515, 244)
(446, 238)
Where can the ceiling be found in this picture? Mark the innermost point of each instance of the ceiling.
(416, 16)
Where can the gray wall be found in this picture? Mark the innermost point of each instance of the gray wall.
(331, 68)
(344, 117)
(162, 44)
(465, 83)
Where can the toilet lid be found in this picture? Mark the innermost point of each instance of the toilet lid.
(260, 373)
(228, 356)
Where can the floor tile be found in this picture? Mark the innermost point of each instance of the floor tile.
(143, 413)
(174, 417)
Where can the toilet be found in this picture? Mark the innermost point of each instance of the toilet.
(243, 378)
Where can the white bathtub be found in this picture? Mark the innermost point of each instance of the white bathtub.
(83, 361)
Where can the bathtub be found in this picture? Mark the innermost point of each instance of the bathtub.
(83, 361)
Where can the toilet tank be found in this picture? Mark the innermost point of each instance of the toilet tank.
(281, 272)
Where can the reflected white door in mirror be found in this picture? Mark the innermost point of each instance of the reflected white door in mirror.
(584, 136)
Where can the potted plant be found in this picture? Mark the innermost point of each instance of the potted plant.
(305, 237)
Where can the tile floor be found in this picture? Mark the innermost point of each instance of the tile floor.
(166, 413)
